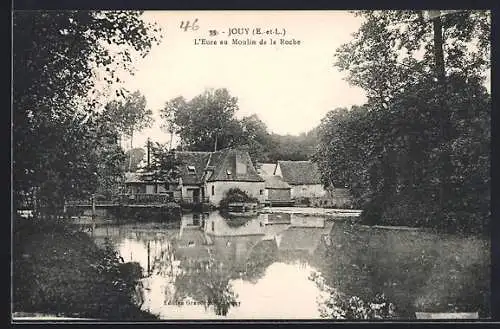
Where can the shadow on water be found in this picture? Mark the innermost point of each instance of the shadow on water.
(210, 266)
(417, 271)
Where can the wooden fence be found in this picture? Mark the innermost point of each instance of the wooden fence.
(137, 198)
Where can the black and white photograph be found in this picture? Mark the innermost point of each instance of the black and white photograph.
(297, 165)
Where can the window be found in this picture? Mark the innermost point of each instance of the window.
(191, 169)
(261, 192)
(213, 190)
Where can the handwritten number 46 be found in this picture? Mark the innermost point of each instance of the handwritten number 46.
(186, 25)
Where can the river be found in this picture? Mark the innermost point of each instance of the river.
(288, 266)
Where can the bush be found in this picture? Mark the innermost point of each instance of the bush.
(59, 271)
(235, 195)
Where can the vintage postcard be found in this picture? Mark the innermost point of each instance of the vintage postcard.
(251, 165)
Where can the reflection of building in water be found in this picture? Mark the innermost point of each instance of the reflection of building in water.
(192, 221)
(273, 231)
(191, 246)
(235, 250)
(295, 220)
(233, 244)
(307, 221)
(300, 239)
(233, 241)
(148, 246)
(276, 218)
(300, 243)
(215, 225)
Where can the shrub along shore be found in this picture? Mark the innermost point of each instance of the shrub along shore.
(61, 271)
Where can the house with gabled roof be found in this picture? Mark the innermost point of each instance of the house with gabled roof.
(303, 177)
(192, 173)
(277, 191)
(231, 168)
(143, 182)
(205, 176)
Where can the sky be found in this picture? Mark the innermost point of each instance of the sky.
(290, 88)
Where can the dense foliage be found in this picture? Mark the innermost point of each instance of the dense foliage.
(129, 115)
(208, 122)
(135, 159)
(291, 147)
(77, 280)
(417, 153)
(341, 306)
(59, 135)
(416, 270)
(204, 123)
(207, 282)
(235, 195)
(164, 165)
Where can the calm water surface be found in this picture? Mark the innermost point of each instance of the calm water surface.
(282, 266)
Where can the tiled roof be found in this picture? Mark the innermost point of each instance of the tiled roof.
(139, 177)
(194, 160)
(275, 182)
(224, 163)
(300, 172)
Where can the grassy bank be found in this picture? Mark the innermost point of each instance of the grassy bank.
(57, 270)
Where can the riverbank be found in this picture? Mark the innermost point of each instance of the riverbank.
(60, 271)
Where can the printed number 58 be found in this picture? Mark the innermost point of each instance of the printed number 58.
(186, 25)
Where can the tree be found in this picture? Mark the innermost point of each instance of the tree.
(208, 283)
(399, 152)
(55, 59)
(168, 114)
(384, 56)
(164, 164)
(130, 115)
(291, 147)
(254, 138)
(109, 159)
(206, 122)
(135, 156)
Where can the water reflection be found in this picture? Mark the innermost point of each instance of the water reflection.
(291, 266)
(212, 266)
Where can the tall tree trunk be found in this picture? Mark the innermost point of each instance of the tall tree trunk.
(444, 118)
(438, 48)
(130, 152)
(148, 153)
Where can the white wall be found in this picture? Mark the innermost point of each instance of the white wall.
(150, 189)
(253, 189)
(308, 191)
(278, 171)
